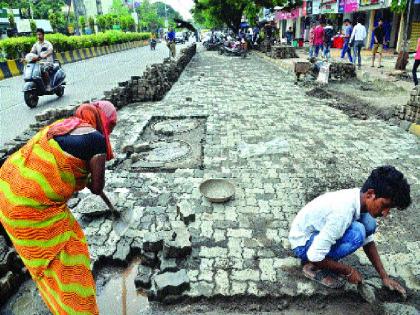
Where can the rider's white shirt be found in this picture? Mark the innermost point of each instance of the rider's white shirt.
(37, 47)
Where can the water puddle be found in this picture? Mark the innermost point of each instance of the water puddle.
(120, 297)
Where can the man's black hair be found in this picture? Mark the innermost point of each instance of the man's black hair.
(40, 30)
(360, 20)
(347, 20)
(388, 182)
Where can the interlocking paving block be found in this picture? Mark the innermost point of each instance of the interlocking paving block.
(171, 283)
(400, 309)
(143, 279)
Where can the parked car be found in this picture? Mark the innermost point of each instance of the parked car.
(179, 38)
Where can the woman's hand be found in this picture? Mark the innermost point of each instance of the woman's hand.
(97, 171)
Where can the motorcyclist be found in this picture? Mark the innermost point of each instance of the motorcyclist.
(44, 51)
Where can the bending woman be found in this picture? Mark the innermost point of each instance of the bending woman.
(35, 184)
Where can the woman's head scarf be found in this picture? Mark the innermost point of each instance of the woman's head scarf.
(100, 115)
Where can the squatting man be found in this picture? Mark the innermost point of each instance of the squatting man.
(336, 224)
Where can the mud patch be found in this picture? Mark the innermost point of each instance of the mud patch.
(319, 92)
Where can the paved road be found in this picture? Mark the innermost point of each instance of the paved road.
(85, 80)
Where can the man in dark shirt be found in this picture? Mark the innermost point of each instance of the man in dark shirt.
(379, 39)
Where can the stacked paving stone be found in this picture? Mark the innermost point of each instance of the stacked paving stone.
(156, 81)
(12, 272)
(411, 111)
(283, 52)
(342, 70)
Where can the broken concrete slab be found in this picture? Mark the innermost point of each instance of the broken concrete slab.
(143, 279)
(171, 283)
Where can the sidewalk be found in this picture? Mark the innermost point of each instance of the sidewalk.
(240, 260)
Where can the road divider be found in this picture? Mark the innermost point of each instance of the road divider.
(13, 68)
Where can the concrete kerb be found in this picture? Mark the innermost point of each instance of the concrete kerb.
(13, 68)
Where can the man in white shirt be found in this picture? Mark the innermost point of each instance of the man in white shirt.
(44, 50)
(336, 224)
(357, 39)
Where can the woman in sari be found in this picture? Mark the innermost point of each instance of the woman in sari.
(35, 184)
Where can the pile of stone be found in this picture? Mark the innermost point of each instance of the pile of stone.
(156, 81)
(160, 273)
(342, 70)
(282, 52)
(152, 86)
(411, 111)
(265, 46)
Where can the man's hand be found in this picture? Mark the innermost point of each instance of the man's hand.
(394, 286)
(354, 276)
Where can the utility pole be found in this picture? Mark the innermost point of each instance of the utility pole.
(166, 17)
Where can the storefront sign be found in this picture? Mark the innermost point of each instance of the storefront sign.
(309, 7)
(285, 15)
(371, 2)
(341, 4)
(329, 6)
(351, 6)
(315, 6)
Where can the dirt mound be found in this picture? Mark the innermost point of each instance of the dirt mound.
(319, 93)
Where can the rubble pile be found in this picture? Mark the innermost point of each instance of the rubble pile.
(152, 86)
(342, 70)
(282, 52)
(411, 111)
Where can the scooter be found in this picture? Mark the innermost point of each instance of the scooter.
(35, 85)
(238, 48)
(153, 44)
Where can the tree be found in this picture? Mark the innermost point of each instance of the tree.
(118, 8)
(92, 24)
(42, 8)
(149, 19)
(216, 13)
(58, 21)
(33, 26)
(82, 23)
(101, 22)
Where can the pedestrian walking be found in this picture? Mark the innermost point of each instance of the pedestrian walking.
(328, 36)
(318, 38)
(311, 40)
(416, 63)
(379, 41)
(348, 28)
(336, 224)
(289, 36)
(36, 183)
(171, 43)
(357, 39)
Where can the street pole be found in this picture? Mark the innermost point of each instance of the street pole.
(166, 17)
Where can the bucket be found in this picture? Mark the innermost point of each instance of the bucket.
(295, 43)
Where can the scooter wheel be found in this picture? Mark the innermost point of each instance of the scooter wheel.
(31, 99)
(59, 91)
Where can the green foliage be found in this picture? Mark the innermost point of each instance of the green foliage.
(33, 26)
(12, 21)
(118, 8)
(16, 47)
(215, 13)
(148, 17)
(398, 6)
(82, 23)
(58, 21)
(91, 22)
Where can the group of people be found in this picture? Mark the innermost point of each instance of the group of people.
(321, 37)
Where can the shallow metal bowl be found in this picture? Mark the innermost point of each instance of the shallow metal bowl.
(217, 190)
